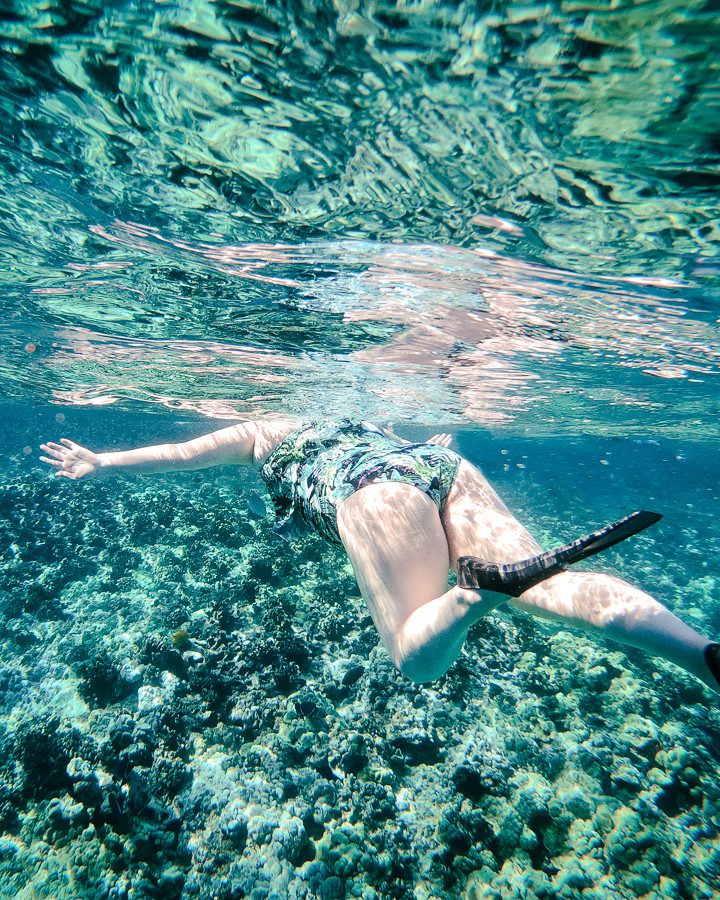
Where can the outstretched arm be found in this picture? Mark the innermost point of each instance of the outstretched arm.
(233, 445)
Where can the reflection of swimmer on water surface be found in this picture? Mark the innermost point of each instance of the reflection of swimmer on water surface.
(481, 334)
(408, 513)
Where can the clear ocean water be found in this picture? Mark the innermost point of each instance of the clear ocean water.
(498, 220)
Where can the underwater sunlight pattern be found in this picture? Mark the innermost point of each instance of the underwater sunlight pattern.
(498, 220)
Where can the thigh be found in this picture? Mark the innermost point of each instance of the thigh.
(396, 543)
(477, 522)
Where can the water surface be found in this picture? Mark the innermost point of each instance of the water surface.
(495, 219)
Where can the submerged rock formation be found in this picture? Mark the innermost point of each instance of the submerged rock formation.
(191, 708)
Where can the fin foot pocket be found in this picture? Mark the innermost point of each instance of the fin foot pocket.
(515, 578)
(712, 658)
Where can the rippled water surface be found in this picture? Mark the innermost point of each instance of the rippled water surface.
(506, 215)
(500, 219)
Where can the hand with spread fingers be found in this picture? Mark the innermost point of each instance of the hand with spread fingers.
(406, 513)
(70, 459)
(443, 439)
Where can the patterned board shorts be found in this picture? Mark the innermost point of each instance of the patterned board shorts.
(322, 463)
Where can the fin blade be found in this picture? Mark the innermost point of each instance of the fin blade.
(606, 537)
(516, 578)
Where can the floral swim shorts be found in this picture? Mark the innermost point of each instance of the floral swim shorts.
(322, 463)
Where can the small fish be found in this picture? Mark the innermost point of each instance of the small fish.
(256, 505)
(506, 225)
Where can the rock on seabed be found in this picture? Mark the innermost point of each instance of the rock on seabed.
(193, 709)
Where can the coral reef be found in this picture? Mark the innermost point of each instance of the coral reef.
(192, 709)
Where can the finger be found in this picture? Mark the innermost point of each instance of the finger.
(54, 450)
(51, 462)
(71, 444)
(64, 473)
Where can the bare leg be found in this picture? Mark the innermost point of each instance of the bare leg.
(478, 523)
(401, 551)
(397, 545)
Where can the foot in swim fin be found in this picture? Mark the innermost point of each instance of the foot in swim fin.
(712, 659)
(515, 578)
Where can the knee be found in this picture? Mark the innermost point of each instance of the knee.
(420, 666)
(417, 674)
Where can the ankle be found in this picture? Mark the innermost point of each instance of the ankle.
(476, 603)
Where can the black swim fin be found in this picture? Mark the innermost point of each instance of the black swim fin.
(514, 578)
(712, 659)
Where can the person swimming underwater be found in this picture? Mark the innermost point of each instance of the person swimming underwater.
(406, 515)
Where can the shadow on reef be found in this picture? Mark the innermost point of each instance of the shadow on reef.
(190, 708)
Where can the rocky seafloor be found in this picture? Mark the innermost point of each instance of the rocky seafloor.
(191, 708)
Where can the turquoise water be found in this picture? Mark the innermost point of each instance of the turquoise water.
(500, 222)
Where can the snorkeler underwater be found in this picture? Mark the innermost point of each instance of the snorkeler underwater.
(404, 514)
(373, 354)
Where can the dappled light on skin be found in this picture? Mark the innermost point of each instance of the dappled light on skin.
(401, 550)
(397, 546)
(402, 539)
(478, 523)
(603, 604)
(500, 219)
(248, 444)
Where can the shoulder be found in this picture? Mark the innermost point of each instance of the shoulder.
(270, 433)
